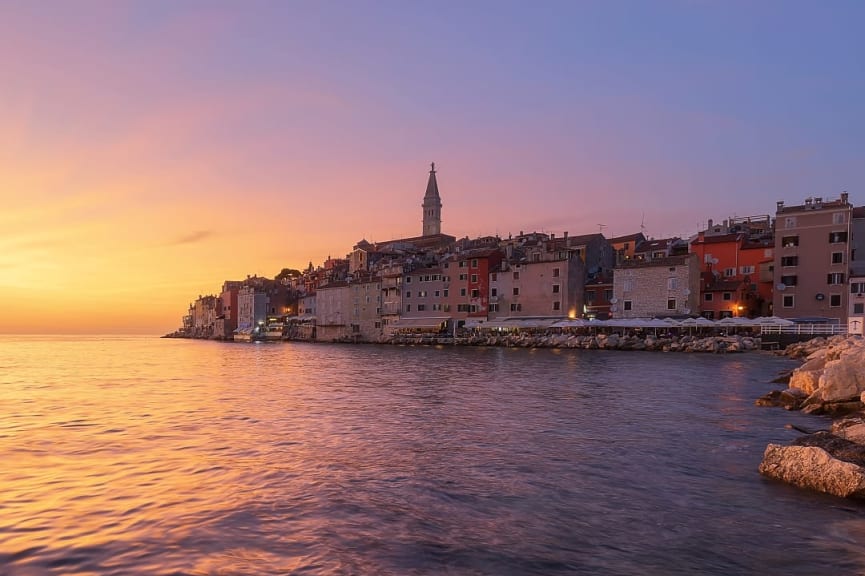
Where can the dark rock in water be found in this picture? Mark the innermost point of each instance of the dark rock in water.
(791, 399)
(783, 377)
(836, 446)
(772, 398)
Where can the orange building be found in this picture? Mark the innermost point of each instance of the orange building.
(736, 276)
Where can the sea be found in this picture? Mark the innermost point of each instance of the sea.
(140, 455)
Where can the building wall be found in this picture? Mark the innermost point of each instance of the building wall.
(364, 311)
(332, 312)
(251, 308)
(552, 288)
(425, 294)
(812, 259)
(649, 286)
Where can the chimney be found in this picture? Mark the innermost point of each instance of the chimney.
(780, 205)
(844, 197)
(709, 225)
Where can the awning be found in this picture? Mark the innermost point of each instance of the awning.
(517, 323)
(420, 322)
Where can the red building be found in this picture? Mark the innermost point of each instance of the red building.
(469, 276)
(736, 275)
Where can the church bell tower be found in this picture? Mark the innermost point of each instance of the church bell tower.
(432, 206)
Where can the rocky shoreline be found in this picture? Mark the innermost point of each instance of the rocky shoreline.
(831, 381)
(669, 343)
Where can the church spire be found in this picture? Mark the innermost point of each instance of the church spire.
(432, 205)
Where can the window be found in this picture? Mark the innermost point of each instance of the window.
(462, 307)
(408, 279)
(474, 279)
(627, 285)
(556, 288)
(672, 283)
(709, 315)
(421, 307)
(445, 292)
(476, 293)
(463, 276)
(536, 257)
(857, 287)
(495, 276)
(729, 272)
(494, 292)
(557, 305)
(725, 314)
(516, 274)
(859, 308)
(789, 241)
(790, 222)
(473, 308)
(787, 301)
(462, 263)
(474, 262)
(746, 269)
(437, 293)
(727, 296)
(708, 296)
(837, 257)
(590, 297)
(408, 307)
(835, 278)
(516, 290)
(516, 307)
(837, 237)
(494, 307)
(556, 272)
(835, 300)
(608, 295)
(658, 254)
(436, 307)
(839, 218)
(671, 303)
(462, 291)
(408, 293)
(628, 305)
(788, 280)
(422, 293)
(788, 261)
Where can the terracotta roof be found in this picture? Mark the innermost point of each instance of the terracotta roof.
(628, 238)
(732, 237)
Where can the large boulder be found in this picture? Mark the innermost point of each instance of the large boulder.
(805, 380)
(842, 380)
(814, 468)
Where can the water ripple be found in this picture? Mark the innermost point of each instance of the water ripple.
(138, 455)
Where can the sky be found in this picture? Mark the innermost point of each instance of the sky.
(150, 150)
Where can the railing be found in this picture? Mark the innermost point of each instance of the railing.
(806, 329)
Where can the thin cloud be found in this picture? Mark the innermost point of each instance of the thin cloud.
(192, 237)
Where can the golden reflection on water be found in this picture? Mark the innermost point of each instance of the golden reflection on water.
(151, 456)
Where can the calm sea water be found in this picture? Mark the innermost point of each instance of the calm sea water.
(148, 456)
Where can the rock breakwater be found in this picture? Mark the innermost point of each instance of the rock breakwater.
(831, 381)
(688, 343)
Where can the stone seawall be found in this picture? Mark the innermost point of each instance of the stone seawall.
(714, 344)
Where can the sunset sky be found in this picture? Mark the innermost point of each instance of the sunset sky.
(150, 150)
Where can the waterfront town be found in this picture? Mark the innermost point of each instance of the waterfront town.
(800, 265)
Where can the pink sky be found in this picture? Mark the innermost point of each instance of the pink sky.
(151, 150)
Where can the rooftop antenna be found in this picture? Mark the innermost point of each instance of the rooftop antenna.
(601, 228)
(643, 223)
